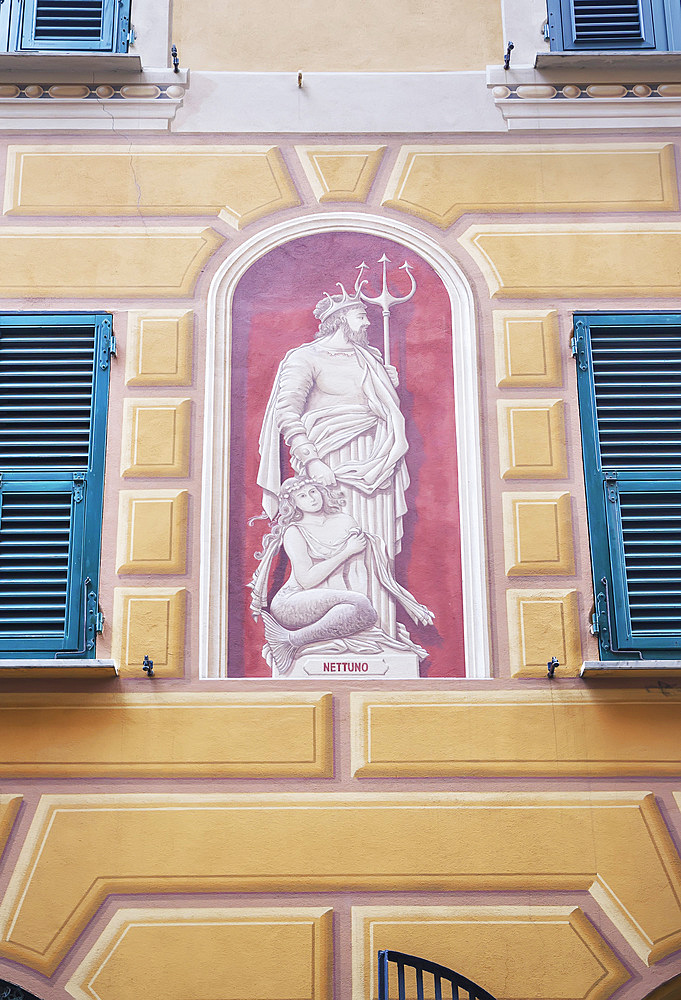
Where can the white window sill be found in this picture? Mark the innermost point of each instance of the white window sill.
(629, 64)
(12, 668)
(631, 668)
(76, 64)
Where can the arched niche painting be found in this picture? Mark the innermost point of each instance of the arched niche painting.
(344, 544)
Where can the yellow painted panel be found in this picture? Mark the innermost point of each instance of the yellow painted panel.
(539, 732)
(616, 259)
(149, 620)
(239, 183)
(236, 954)
(527, 348)
(156, 435)
(340, 173)
(319, 36)
(91, 262)
(159, 348)
(615, 845)
(515, 952)
(440, 183)
(538, 534)
(156, 734)
(532, 439)
(152, 531)
(542, 624)
(9, 807)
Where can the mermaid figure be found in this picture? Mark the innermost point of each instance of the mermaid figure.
(324, 599)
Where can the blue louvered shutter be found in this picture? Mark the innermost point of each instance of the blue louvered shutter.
(605, 25)
(74, 25)
(629, 383)
(53, 395)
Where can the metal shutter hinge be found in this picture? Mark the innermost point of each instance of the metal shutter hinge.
(91, 615)
(108, 345)
(611, 486)
(78, 487)
(600, 623)
(578, 345)
(99, 622)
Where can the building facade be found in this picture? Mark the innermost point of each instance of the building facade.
(340, 371)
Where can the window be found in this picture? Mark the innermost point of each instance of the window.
(64, 25)
(629, 385)
(579, 25)
(54, 379)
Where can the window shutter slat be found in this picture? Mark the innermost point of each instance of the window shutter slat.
(606, 22)
(583, 25)
(41, 529)
(645, 531)
(40, 397)
(75, 25)
(637, 387)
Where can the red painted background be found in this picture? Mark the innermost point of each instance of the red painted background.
(272, 312)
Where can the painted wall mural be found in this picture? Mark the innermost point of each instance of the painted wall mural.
(344, 539)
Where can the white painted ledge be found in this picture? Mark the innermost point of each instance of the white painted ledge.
(74, 64)
(73, 667)
(631, 668)
(338, 103)
(627, 65)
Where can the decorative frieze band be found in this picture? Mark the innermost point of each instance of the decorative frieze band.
(573, 91)
(578, 104)
(84, 92)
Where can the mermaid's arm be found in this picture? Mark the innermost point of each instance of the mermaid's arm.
(311, 574)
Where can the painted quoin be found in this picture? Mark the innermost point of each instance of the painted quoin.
(387, 436)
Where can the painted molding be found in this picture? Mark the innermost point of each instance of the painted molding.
(563, 260)
(240, 184)
(539, 733)
(239, 954)
(165, 735)
(77, 261)
(159, 347)
(81, 848)
(152, 531)
(340, 173)
(556, 949)
(9, 807)
(214, 493)
(441, 183)
(541, 624)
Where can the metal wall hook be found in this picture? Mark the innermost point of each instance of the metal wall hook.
(148, 666)
(300, 78)
(175, 58)
(552, 664)
(507, 57)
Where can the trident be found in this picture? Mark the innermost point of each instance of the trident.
(385, 300)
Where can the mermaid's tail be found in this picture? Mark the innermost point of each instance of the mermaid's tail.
(279, 640)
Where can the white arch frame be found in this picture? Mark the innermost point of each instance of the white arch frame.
(213, 593)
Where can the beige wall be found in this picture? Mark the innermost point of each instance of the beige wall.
(250, 35)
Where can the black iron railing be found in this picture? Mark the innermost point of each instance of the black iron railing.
(453, 981)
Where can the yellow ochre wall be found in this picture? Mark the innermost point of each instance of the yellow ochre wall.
(182, 839)
(390, 35)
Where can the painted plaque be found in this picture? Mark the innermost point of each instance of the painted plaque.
(344, 537)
